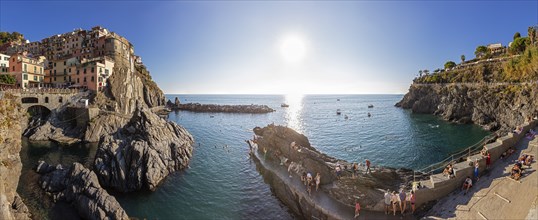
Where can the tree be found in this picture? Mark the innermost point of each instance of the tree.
(519, 45)
(462, 58)
(532, 34)
(7, 79)
(480, 51)
(449, 64)
(6, 37)
(426, 72)
(517, 35)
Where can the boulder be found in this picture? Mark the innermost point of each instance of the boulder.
(142, 153)
(80, 187)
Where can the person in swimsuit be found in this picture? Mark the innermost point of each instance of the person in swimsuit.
(394, 201)
(488, 160)
(318, 181)
(476, 166)
(357, 208)
(388, 197)
(368, 166)
(412, 200)
(402, 201)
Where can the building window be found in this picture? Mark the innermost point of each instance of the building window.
(65, 78)
(84, 70)
(35, 78)
(54, 64)
(84, 79)
(13, 68)
(92, 69)
(78, 80)
(25, 76)
(35, 69)
(60, 99)
(69, 69)
(78, 71)
(41, 70)
(54, 79)
(55, 72)
(65, 63)
(46, 99)
(25, 68)
(92, 79)
(65, 71)
(106, 71)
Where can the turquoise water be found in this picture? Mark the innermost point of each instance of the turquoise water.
(222, 183)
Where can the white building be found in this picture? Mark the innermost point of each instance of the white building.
(4, 60)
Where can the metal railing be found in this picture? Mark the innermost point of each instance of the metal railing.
(457, 157)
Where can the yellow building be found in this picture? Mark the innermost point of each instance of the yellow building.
(28, 71)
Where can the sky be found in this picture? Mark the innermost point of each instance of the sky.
(281, 47)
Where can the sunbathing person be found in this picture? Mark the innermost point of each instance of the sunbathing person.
(468, 183)
(516, 171)
(528, 160)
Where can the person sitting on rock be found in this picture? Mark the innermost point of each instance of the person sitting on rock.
(318, 181)
(468, 183)
(484, 151)
(355, 169)
(303, 178)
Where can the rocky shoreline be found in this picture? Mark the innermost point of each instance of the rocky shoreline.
(273, 146)
(495, 107)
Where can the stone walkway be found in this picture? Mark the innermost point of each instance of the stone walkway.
(322, 200)
(495, 195)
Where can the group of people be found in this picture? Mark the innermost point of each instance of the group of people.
(508, 153)
(354, 169)
(449, 171)
(517, 169)
(394, 200)
(309, 182)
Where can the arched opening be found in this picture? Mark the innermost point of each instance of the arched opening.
(46, 99)
(38, 112)
(60, 99)
(29, 100)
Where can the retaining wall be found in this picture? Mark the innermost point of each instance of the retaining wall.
(439, 186)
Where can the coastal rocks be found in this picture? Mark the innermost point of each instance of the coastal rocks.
(142, 153)
(197, 107)
(494, 107)
(285, 148)
(80, 187)
(11, 115)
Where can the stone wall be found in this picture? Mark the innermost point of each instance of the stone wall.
(439, 185)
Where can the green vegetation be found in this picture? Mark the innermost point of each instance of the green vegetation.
(450, 64)
(6, 37)
(519, 45)
(481, 51)
(7, 79)
(516, 64)
(516, 35)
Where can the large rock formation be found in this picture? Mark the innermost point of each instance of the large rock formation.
(493, 106)
(277, 141)
(11, 114)
(142, 153)
(80, 187)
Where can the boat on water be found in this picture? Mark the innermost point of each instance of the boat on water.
(284, 105)
(337, 99)
(338, 112)
(345, 117)
(369, 115)
(370, 106)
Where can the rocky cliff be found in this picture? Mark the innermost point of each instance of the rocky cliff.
(493, 106)
(80, 187)
(142, 153)
(11, 115)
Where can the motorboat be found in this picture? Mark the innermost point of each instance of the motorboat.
(370, 106)
(369, 115)
(284, 105)
(338, 112)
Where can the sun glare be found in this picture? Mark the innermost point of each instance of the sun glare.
(293, 48)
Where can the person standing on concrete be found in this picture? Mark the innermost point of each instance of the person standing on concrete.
(387, 201)
(402, 201)
(488, 160)
(357, 208)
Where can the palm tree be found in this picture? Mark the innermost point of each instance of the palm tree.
(462, 58)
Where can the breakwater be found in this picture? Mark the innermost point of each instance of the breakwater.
(197, 107)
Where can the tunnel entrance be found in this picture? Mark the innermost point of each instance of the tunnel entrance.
(39, 112)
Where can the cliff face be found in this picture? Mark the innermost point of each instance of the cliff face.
(11, 115)
(493, 106)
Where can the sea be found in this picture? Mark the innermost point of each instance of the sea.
(223, 183)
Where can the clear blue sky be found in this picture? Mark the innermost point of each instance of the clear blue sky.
(237, 47)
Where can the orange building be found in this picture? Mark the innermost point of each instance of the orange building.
(28, 71)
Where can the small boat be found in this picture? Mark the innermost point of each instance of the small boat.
(284, 105)
(345, 117)
(337, 99)
(338, 112)
(369, 115)
(370, 106)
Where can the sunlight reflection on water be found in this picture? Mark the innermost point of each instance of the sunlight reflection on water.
(294, 111)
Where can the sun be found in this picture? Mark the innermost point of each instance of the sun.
(293, 48)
